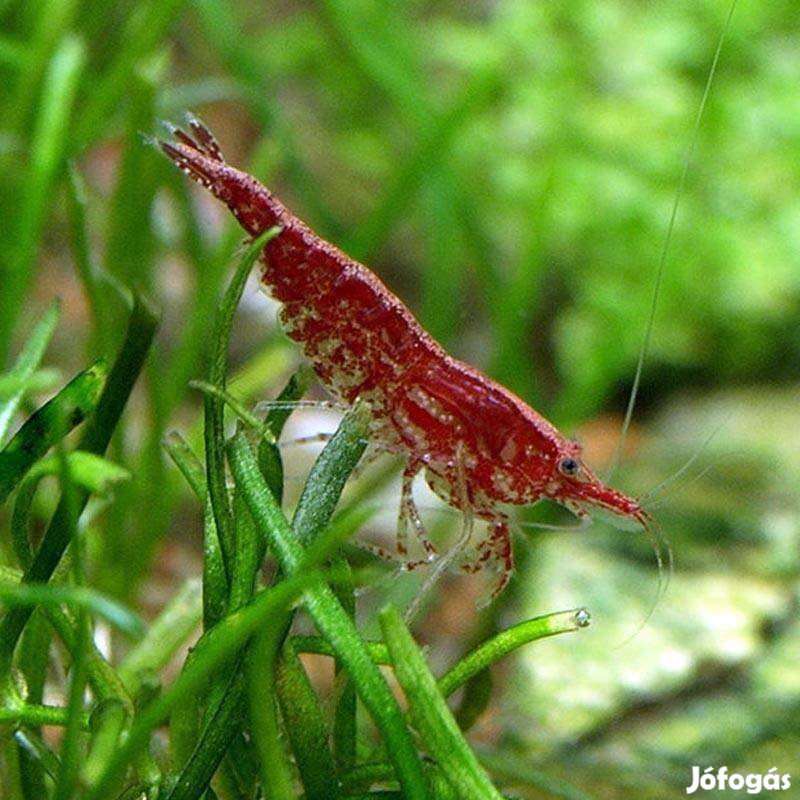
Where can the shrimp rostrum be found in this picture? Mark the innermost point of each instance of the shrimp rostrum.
(480, 446)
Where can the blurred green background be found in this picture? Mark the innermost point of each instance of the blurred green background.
(509, 169)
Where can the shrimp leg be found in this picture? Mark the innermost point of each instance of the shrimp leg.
(441, 565)
(314, 438)
(503, 554)
(493, 551)
(409, 513)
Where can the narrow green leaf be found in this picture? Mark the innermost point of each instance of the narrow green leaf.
(217, 648)
(49, 425)
(47, 148)
(33, 663)
(222, 725)
(214, 430)
(24, 368)
(240, 768)
(187, 462)
(144, 27)
(482, 656)
(276, 769)
(269, 454)
(107, 725)
(238, 408)
(215, 577)
(341, 528)
(474, 700)
(47, 27)
(41, 381)
(304, 722)
(345, 725)
(330, 473)
(33, 660)
(104, 296)
(130, 241)
(331, 619)
(35, 715)
(20, 518)
(165, 635)
(316, 644)
(94, 473)
(430, 714)
(345, 730)
(102, 676)
(248, 555)
(95, 438)
(22, 594)
(104, 680)
(184, 724)
(35, 747)
(91, 472)
(510, 639)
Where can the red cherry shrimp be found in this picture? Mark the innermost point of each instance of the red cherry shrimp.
(480, 446)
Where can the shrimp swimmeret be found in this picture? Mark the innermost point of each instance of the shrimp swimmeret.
(480, 446)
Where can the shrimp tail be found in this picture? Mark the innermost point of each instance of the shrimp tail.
(198, 154)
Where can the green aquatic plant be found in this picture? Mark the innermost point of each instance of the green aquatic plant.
(243, 712)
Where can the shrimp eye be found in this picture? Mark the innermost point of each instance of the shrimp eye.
(568, 466)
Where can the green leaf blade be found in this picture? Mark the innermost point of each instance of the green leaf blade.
(25, 366)
(430, 714)
(49, 425)
(331, 619)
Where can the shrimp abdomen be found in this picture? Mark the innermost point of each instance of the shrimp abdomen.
(359, 336)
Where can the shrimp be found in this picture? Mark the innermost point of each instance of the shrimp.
(480, 446)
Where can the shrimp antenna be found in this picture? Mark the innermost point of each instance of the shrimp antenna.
(693, 479)
(582, 524)
(682, 470)
(666, 568)
(662, 262)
